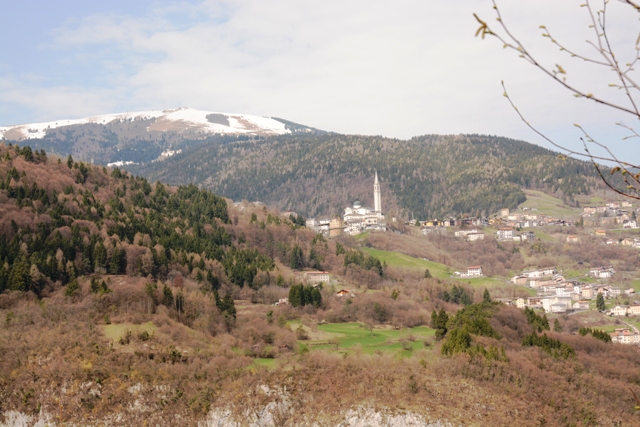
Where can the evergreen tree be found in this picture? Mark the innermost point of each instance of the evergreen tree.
(296, 259)
(4, 277)
(214, 282)
(545, 323)
(167, 296)
(95, 285)
(551, 346)
(114, 261)
(458, 341)
(538, 323)
(104, 289)
(439, 322)
(600, 305)
(70, 161)
(556, 326)
(295, 295)
(72, 288)
(316, 297)
(99, 256)
(485, 296)
(19, 278)
(427, 274)
(228, 306)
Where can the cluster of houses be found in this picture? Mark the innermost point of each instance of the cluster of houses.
(508, 234)
(528, 220)
(504, 234)
(611, 214)
(632, 242)
(557, 295)
(625, 336)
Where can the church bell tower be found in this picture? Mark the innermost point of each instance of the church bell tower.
(377, 202)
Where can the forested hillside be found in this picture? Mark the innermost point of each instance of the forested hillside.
(428, 176)
(131, 303)
(62, 220)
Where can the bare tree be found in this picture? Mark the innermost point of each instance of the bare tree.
(603, 55)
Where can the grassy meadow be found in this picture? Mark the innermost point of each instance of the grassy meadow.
(356, 337)
(549, 205)
(437, 270)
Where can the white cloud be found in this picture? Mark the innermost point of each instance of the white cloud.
(372, 67)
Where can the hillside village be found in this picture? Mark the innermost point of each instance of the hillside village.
(554, 293)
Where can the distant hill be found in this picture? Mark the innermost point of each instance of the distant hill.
(427, 176)
(143, 136)
(315, 173)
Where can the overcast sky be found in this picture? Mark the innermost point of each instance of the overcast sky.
(393, 68)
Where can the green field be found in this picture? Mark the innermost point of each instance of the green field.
(548, 205)
(396, 259)
(116, 331)
(543, 236)
(354, 337)
(265, 363)
(437, 270)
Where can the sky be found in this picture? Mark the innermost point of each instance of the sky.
(374, 67)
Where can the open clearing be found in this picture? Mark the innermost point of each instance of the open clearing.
(114, 332)
(396, 259)
(548, 205)
(437, 270)
(354, 337)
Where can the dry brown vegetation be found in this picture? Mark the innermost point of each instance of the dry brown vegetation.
(56, 351)
(129, 350)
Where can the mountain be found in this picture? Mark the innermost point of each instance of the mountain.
(313, 172)
(425, 177)
(144, 136)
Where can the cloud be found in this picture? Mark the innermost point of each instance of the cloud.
(374, 67)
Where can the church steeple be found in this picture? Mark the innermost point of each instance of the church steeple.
(377, 202)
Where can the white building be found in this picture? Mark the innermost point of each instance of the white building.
(465, 233)
(358, 218)
(553, 304)
(542, 272)
(472, 237)
(581, 305)
(505, 233)
(602, 272)
(633, 310)
(319, 225)
(475, 271)
(619, 310)
(316, 277)
(625, 336)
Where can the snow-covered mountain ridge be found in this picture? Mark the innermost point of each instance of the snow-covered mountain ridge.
(173, 120)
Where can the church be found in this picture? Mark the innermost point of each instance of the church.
(358, 218)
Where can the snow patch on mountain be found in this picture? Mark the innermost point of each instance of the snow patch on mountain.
(178, 119)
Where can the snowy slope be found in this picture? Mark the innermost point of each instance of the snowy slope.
(176, 120)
